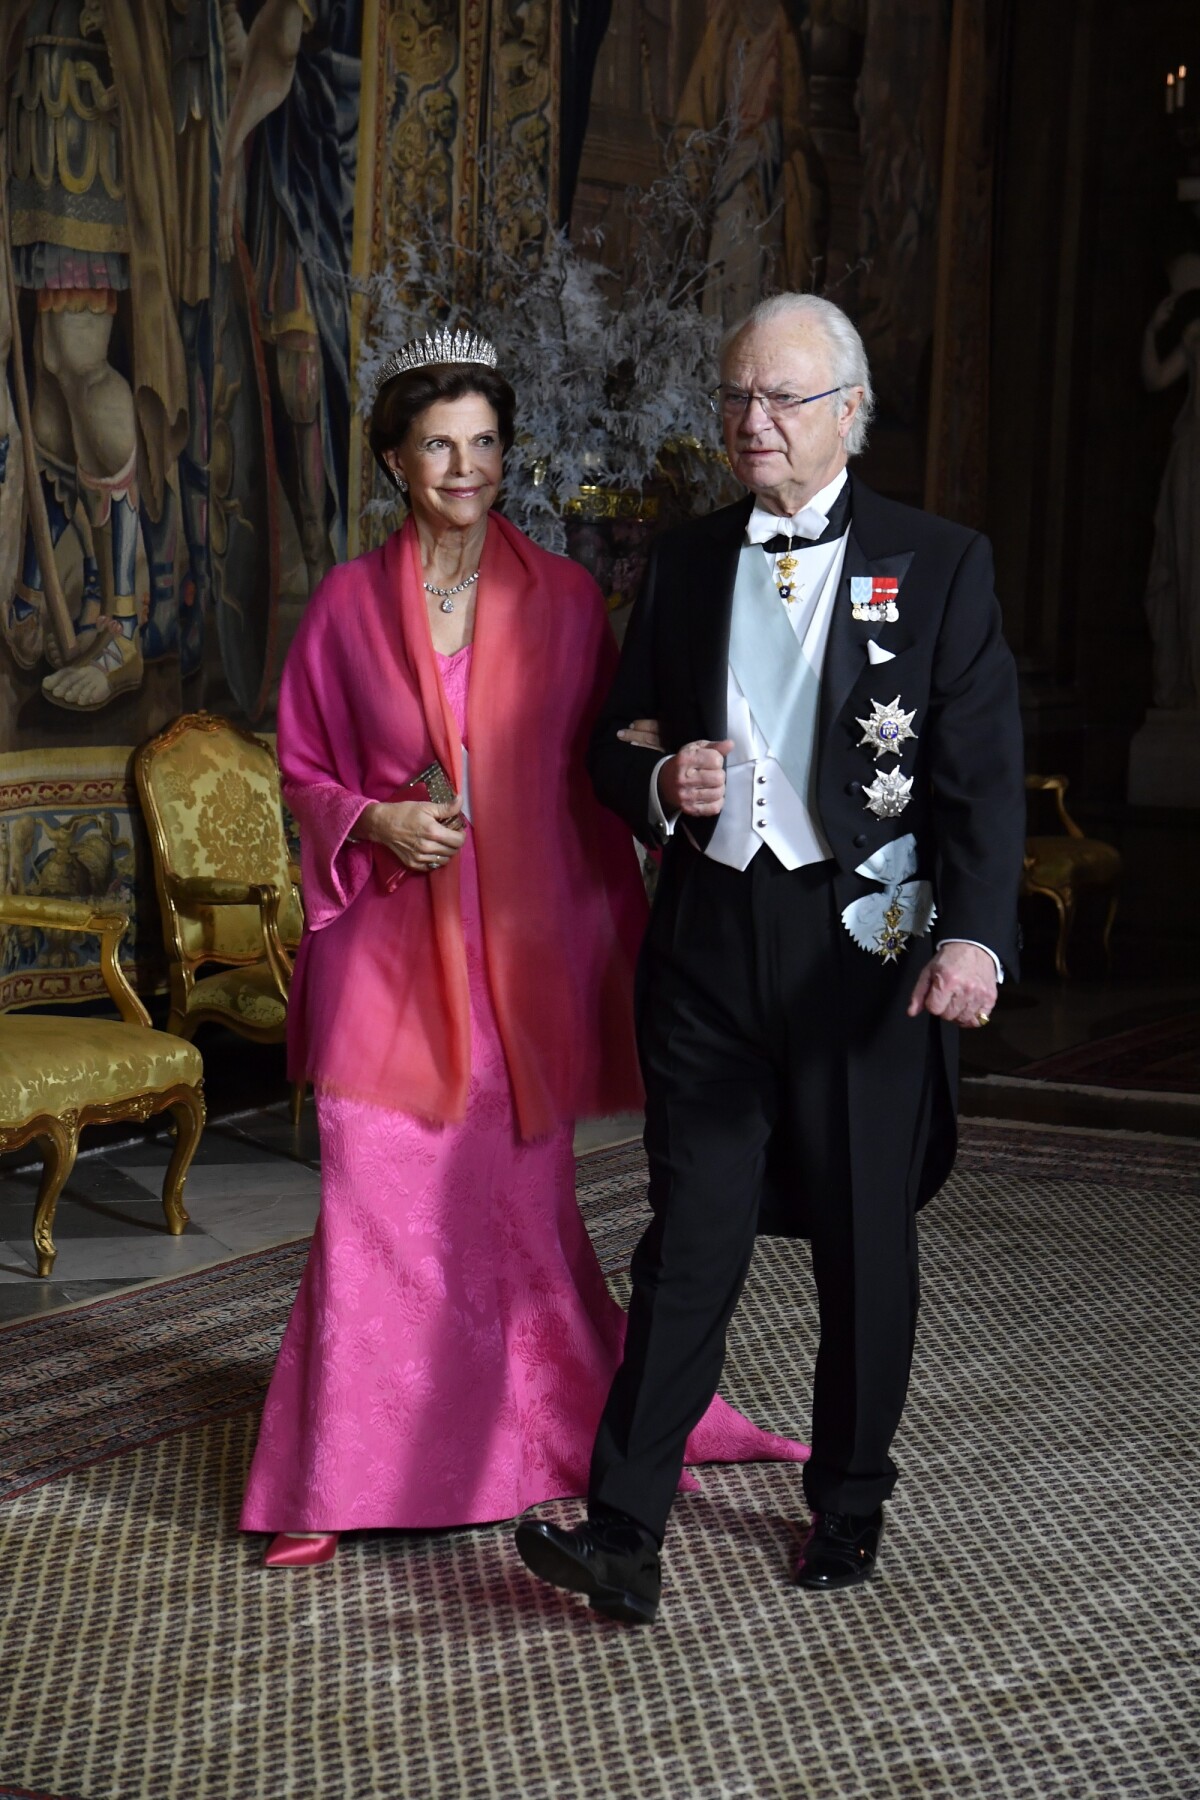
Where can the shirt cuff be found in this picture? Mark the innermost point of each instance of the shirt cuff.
(663, 825)
(986, 951)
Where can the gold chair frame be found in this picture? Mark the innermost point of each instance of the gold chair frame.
(1065, 897)
(59, 1131)
(178, 894)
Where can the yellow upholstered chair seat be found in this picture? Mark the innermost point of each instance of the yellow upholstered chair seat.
(60, 1072)
(1062, 867)
(51, 1063)
(243, 997)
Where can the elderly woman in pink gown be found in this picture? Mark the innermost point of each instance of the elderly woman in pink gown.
(462, 994)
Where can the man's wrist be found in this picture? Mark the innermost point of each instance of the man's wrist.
(976, 945)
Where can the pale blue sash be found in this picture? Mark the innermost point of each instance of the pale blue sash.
(781, 686)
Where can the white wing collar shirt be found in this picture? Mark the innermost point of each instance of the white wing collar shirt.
(762, 806)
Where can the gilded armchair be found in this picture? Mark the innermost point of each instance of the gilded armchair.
(228, 893)
(1064, 866)
(58, 1073)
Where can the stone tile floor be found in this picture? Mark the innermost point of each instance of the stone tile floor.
(255, 1181)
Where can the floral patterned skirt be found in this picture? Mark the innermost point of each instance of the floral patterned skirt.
(452, 1343)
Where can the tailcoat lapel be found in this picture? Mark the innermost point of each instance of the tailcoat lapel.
(708, 607)
(867, 553)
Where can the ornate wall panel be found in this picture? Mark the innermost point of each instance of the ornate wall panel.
(71, 829)
(956, 471)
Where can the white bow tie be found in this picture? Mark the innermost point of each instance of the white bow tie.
(807, 523)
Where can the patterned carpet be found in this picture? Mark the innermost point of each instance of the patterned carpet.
(1162, 1058)
(1033, 1632)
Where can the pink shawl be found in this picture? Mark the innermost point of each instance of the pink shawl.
(379, 1006)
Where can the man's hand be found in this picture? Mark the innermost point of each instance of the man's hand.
(957, 986)
(693, 782)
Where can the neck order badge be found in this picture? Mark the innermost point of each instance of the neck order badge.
(785, 568)
(873, 598)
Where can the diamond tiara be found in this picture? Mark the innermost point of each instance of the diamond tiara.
(441, 346)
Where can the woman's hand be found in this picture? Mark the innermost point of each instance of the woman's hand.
(645, 732)
(421, 835)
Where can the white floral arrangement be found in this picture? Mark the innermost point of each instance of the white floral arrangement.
(611, 369)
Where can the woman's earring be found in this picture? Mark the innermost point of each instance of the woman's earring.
(402, 484)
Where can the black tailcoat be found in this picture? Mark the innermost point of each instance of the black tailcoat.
(967, 806)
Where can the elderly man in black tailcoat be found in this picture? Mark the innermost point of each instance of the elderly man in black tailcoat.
(817, 715)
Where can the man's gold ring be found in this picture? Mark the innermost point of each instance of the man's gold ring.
(982, 1018)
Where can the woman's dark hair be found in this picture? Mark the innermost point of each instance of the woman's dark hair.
(403, 398)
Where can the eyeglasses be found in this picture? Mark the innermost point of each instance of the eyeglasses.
(732, 403)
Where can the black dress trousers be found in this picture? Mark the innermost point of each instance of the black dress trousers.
(743, 1033)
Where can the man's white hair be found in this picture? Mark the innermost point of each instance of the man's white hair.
(848, 357)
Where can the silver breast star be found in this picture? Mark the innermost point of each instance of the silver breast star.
(887, 728)
(889, 794)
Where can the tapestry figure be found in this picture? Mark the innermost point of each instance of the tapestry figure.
(771, 220)
(178, 544)
(295, 73)
(21, 626)
(902, 108)
(89, 148)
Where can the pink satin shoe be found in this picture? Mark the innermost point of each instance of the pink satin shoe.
(288, 1552)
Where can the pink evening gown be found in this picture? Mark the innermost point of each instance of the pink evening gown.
(452, 1342)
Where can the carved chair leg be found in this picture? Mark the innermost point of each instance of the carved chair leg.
(1108, 925)
(1066, 918)
(61, 1141)
(188, 1114)
(299, 1090)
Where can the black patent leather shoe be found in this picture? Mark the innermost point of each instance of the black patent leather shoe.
(617, 1566)
(840, 1550)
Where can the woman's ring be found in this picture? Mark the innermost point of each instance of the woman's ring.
(982, 1018)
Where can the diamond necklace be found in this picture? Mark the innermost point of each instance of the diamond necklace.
(446, 595)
